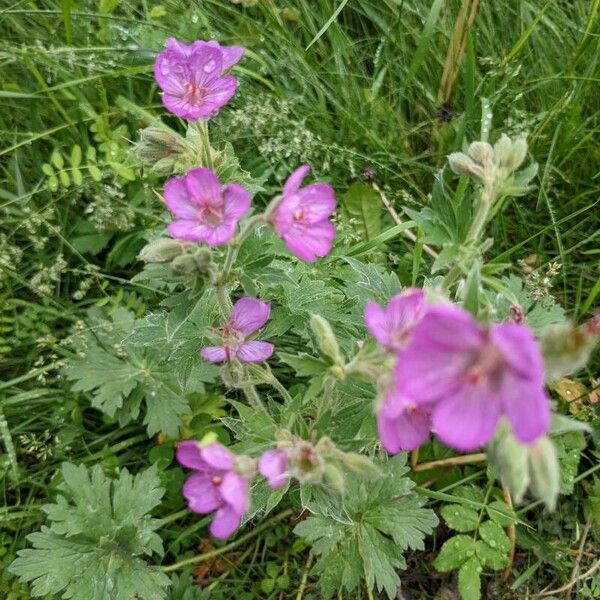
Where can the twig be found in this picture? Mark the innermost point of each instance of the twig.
(512, 536)
(449, 462)
(305, 573)
(414, 459)
(223, 549)
(396, 218)
(571, 583)
(584, 535)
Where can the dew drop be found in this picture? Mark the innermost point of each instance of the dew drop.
(210, 66)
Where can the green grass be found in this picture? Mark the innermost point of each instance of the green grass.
(344, 85)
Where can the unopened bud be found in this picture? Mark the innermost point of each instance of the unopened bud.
(566, 349)
(502, 151)
(326, 339)
(516, 314)
(517, 154)
(161, 250)
(361, 465)
(461, 164)
(333, 477)
(482, 153)
(232, 374)
(210, 438)
(185, 264)
(510, 459)
(245, 465)
(160, 148)
(305, 463)
(544, 471)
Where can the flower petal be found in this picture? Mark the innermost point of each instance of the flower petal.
(520, 350)
(221, 234)
(205, 64)
(234, 490)
(201, 494)
(188, 455)
(203, 186)
(317, 201)
(527, 408)
(255, 352)
(236, 201)
(376, 322)
(177, 199)
(310, 241)
(190, 231)
(249, 315)
(408, 431)
(441, 347)
(294, 181)
(217, 457)
(273, 465)
(467, 419)
(218, 94)
(214, 354)
(231, 55)
(225, 522)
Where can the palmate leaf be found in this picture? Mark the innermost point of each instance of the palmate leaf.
(99, 531)
(376, 523)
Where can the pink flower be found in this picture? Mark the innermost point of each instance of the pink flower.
(215, 486)
(190, 77)
(469, 376)
(301, 218)
(391, 326)
(248, 316)
(204, 210)
(401, 424)
(273, 464)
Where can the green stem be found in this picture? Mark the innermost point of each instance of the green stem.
(9, 446)
(174, 517)
(202, 127)
(279, 387)
(254, 399)
(223, 549)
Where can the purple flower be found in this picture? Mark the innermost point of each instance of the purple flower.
(470, 376)
(402, 425)
(204, 210)
(190, 77)
(301, 218)
(391, 326)
(273, 464)
(248, 316)
(215, 486)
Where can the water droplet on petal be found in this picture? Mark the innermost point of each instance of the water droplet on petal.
(210, 66)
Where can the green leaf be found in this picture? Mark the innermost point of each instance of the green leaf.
(493, 558)
(361, 203)
(460, 518)
(494, 535)
(469, 582)
(377, 522)
(454, 553)
(501, 513)
(99, 530)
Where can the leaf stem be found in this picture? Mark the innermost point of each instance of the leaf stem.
(452, 461)
(253, 398)
(223, 549)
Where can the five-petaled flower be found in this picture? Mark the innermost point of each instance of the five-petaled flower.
(191, 77)
(391, 326)
(301, 217)
(204, 210)
(215, 486)
(273, 464)
(247, 317)
(469, 376)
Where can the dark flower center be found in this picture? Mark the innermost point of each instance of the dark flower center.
(212, 215)
(194, 94)
(216, 480)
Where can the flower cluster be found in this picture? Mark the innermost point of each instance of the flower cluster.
(456, 378)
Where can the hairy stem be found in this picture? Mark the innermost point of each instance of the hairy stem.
(450, 462)
(253, 398)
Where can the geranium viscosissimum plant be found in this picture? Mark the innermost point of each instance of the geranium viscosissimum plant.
(438, 360)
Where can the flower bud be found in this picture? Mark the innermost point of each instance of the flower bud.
(326, 339)
(333, 478)
(185, 264)
(502, 151)
(462, 165)
(566, 349)
(517, 154)
(161, 250)
(160, 148)
(232, 374)
(510, 459)
(210, 438)
(544, 471)
(482, 153)
(305, 463)
(361, 465)
(245, 465)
